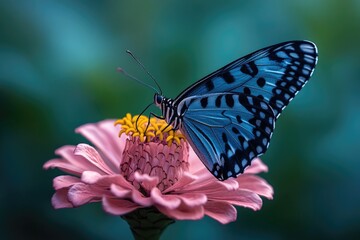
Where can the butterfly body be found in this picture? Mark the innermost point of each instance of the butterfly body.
(228, 117)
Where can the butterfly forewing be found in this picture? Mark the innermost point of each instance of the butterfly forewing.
(227, 130)
(275, 74)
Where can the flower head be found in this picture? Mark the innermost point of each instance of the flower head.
(149, 165)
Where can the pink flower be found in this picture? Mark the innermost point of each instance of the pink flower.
(149, 167)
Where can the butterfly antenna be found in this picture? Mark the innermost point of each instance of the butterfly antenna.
(148, 73)
(119, 69)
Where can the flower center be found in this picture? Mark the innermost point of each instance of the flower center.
(152, 148)
(149, 129)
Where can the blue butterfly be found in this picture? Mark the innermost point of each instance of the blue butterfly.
(228, 117)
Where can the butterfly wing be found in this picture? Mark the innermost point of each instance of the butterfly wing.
(227, 130)
(274, 74)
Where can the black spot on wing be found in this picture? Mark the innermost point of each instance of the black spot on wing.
(235, 130)
(241, 139)
(247, 91)
(229, 100)
(228, 77)
(249, 69)
(218, 101)
(209, 85)
(238, 118)
(224, 137)
(204, 102)
(261, 82)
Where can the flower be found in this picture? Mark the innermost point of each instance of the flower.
(149, 166)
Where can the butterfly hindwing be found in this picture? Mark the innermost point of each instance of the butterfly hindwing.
(227, 130)
(275, 74)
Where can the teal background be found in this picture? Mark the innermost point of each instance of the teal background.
(58, 63)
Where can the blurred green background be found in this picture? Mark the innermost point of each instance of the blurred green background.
(58, 64)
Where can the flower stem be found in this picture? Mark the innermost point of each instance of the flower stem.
(147, 223)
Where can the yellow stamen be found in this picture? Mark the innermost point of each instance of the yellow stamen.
(155, 129)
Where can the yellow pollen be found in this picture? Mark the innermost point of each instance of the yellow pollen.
(149, 130)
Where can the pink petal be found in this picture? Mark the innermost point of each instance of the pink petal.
(256, 184)
(193, 199)
(222, 212)
(219, 191)
(184, 181)
(167, 201)
(209, 186)
(140, 199)
(63, 166)
(107, 180)
(146, 181)
(81, 193)
(240, 198)
(119, 191)
(183, 212)
(104, 135)
(230, 184)
(101, 183)
(118, 206)
(90, 177)
(195, 163)
(64, 181)
(203, 173)
(93, 157)
(60, 199)
(69, 162)
(257, 166)
(134, 194)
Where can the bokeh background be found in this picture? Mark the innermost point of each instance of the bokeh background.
(57, 71)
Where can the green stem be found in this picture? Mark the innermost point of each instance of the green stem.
(147, 223)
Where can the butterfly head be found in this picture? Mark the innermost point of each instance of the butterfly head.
(158, 99)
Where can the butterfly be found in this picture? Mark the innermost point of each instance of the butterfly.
(228, 117)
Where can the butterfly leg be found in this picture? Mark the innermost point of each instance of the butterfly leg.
(137, 119)
(154, 115)
(157, 116)
(162, 118)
